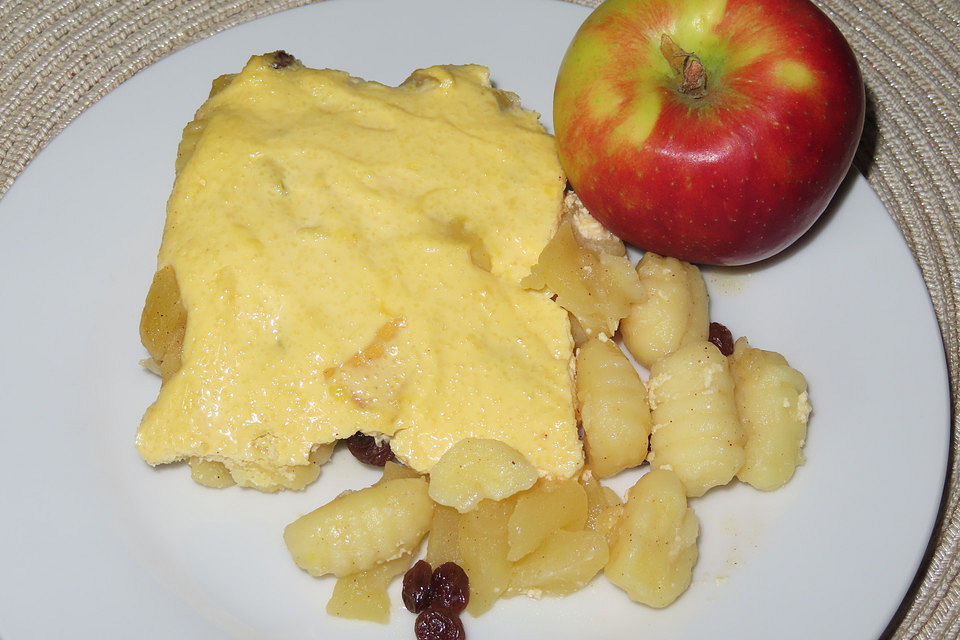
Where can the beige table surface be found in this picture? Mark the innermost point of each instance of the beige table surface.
(57, 57)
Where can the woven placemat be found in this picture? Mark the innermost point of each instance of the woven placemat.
(57, 57)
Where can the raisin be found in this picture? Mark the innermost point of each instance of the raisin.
(435, 624)
(721, 336)
(365, 449)
(282, 59)
(416, 591)
(450, 588)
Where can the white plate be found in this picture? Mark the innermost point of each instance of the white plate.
(95, 544)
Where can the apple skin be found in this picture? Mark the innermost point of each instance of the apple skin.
(727, 179)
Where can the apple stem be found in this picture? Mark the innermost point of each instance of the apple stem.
(693, 77)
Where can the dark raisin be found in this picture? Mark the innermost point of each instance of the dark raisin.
(365, 449)
(435, 624)
(721, 336)
(281, 59)
(450, 588)
(416, 591)
(581, 433)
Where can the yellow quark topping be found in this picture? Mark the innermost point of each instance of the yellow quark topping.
(349, 256)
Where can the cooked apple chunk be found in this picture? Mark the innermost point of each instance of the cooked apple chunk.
(373, 378)
(443, 545)
(598, 288)
(210, 473)
(393, 471)
(563, 564)
(483, 550)
(604, 507)
(478, 468)
(163, 322)
(363, 595)
(541, 511)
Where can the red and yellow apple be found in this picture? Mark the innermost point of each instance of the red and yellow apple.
(713, 131)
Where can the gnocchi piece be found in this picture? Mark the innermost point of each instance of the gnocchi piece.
(443, 545)
(483, 550)
(773, 406)
(598, 288)
(541, 511)
(563, 564)
(363, 595)
(613, 409)
(361, 529)
(674, 312)
(478, 468)
(696, 432)
(653, 556)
